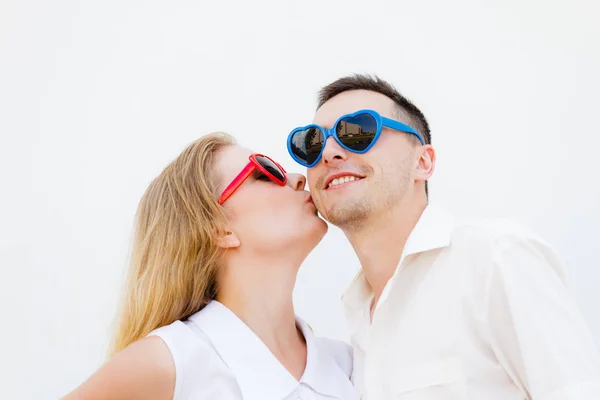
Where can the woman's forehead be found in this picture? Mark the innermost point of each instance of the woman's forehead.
(230, 162)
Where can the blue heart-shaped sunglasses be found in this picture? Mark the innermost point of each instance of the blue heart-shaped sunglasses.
(356, 132)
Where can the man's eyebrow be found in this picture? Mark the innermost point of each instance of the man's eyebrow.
(324, 126)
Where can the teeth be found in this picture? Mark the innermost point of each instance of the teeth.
(342, 179)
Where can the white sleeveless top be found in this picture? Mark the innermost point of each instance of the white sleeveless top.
(217, 356)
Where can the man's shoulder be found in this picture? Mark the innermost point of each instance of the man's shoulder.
(505, 243)
(493, 230)
(483, 240)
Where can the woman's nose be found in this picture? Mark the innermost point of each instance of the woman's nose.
(296, 181)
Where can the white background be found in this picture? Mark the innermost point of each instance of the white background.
(96, 97)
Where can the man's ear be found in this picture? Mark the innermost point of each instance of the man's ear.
(426, 163)
(228, 240)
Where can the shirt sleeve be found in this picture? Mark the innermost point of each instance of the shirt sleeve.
(535, 327)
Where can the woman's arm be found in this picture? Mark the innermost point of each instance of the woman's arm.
(144, 370)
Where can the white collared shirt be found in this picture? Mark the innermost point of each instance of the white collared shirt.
(473, 311)
(217, 356)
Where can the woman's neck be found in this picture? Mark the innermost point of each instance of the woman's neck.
(261, 296)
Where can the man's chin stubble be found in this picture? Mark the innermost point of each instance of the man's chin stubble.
(348, 217)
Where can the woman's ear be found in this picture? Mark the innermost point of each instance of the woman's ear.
(228, 240)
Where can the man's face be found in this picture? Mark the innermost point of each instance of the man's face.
(365, 184)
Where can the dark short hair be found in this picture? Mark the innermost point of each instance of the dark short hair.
(406, 109)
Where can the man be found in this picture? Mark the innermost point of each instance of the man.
(441, 309)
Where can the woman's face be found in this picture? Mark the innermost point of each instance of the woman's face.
(265, 216)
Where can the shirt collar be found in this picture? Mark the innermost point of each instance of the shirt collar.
(322, 373)
(432, 231)
(259, 373)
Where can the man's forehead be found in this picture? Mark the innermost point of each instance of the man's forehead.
(352, 101)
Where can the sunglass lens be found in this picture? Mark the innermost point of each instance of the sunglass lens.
(307, 144)
(271, 167)
(357, 132)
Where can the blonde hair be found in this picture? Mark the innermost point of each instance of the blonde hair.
(174, 259)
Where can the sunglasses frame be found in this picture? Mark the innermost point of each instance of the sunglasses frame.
(380, 121)
(253, 164)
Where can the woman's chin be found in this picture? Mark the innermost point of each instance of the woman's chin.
(311, 234)
(320, 230)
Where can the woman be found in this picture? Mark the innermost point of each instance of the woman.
(208, 311)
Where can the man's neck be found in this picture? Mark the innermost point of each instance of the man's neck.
(380, 241)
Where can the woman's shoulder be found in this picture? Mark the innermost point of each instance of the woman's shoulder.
(143, 370)
(187, 344)
(194, 357)
(175, 335)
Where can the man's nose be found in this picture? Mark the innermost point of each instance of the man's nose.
(333, 152)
